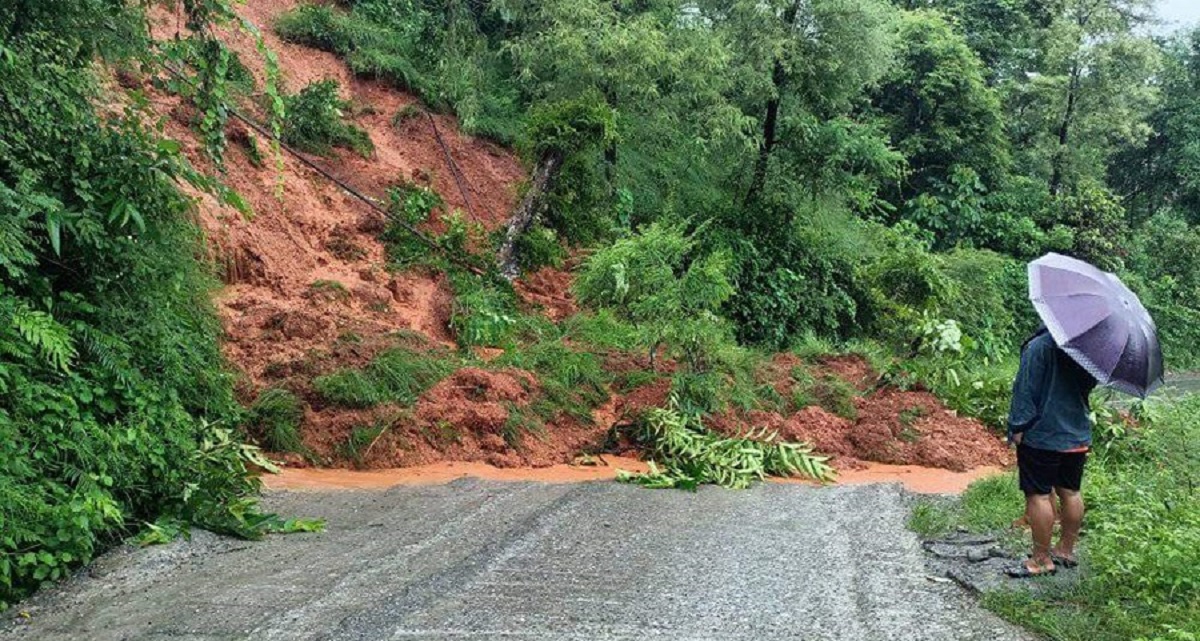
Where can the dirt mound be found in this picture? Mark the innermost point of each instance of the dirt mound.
(852, 368)
(473, 415)
(914, 428)
(889, 425)
(550, 289)
(640, 399)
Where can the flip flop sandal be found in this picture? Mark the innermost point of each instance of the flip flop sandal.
(1022, 571)
(1065, 561)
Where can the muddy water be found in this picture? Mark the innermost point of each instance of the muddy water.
(914, 478)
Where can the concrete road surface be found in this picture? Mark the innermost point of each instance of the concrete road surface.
(490, 560)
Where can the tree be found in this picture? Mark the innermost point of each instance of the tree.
(558, 130)
(1165, 171)
(1004, 33)
(1089, 94)
(940, 112)
(801, 57)
(615, 50)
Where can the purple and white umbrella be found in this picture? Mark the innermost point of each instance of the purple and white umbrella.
(1098, 322)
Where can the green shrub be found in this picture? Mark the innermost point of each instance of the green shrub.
(540, 247)
(317, 26)
(274, 420)
(655, 281)
(789, 284)
(398, 376)
(315, 121)
(410, 206)
(903, 283)
(112, 385)
(484, 311)
(990, 300)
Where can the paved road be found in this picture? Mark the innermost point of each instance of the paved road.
(489, 560)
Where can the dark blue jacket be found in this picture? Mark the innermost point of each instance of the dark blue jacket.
(1050, 398)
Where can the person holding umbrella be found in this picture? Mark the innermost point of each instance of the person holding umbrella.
(1095, 331)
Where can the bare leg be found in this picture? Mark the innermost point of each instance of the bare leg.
(1039, 512)
(1072, 521)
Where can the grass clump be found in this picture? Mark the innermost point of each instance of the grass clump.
(521, 421)
(397, 376)
(274, 421)
(602, 330)
(572, 382)
(932, 519)
(691, 455)
(315, 122)
(827, 391)
(328, 289)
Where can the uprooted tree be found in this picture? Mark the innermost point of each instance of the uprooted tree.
(557, 132)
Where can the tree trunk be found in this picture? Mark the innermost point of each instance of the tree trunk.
(771, 120)
(610, 152)
(1064, 133)
(545, 173)
(610, 166)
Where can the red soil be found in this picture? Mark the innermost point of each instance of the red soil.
(851, 368)
(549, 289)
(892, 426)
(305, 229)
(465, 417)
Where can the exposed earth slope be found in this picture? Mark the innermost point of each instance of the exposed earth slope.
(307, 292)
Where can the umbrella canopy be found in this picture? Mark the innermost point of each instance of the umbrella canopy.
(1096, 320)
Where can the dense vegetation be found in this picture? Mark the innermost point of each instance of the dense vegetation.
(116, 411)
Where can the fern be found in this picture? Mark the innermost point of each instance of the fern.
(48, 336)
(106, 350)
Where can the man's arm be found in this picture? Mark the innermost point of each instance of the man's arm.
(1028, 388)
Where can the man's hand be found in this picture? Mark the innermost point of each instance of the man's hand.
(1016, 438)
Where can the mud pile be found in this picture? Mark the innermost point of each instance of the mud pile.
(889, 426)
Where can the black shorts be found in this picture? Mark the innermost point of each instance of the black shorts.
(1042, 470)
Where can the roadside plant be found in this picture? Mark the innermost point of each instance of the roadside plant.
(657, 280)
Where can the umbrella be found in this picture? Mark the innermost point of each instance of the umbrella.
(1095, 319)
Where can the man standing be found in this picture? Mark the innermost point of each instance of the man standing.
(1048, 421)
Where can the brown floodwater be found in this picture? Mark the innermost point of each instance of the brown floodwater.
(917, 479)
